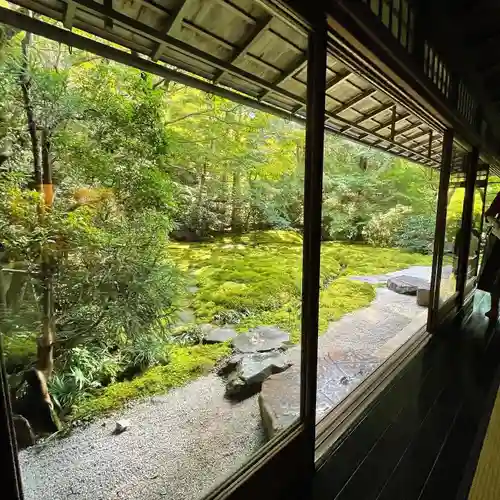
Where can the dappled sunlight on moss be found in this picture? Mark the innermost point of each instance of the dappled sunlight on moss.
(186, 363)
(259, 275)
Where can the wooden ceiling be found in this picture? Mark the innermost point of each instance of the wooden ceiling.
(256, 49)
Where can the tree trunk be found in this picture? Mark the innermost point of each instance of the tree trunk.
(25, 82)
(236, 203)
(45, 343)
(200, 219)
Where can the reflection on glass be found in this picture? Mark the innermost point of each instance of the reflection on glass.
(453, 232)
(167, 269)
(378, 229)
(477, 223)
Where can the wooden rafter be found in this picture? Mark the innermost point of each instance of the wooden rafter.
(194, 56)
(297, 68)
(69, 14)
(340, 76)
(173, 24)
(259, 30)
(370, 115)
(353, 101)
(390, 122)
(409, 128)
(412, 139)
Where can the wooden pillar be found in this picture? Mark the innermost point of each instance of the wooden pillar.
(313, 187)
(11, 477)
(439, 234)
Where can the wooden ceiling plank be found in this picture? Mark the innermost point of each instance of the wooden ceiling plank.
(297, 68)
(340, 77)
(409, 128)
(353, 101)
(259, 30)
(389, 123)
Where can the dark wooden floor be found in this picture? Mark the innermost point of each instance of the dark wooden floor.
(416, 441)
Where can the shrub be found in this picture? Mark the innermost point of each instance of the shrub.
(185, 364)
(80, 370)
(19, 351)
(417, 234)
(146, 351)
(382, 229)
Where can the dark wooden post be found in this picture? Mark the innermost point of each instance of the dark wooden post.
(439, 234)
(11, 477)
(466, 227)
(313, 188)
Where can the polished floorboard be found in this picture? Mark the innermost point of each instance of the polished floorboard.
(417, 440)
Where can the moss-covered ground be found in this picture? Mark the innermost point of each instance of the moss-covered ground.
(248, 281)
(186, 363)
(256, 279)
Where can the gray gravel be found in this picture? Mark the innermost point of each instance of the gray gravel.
(182, 444)
(179, 446)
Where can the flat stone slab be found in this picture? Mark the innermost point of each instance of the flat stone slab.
(186, 316)
(406, 285)
(216, 335)
(251, 371)
(279, 400)
(261, 339)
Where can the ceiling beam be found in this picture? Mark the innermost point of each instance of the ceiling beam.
(69, 14)
(370, 115)
(353, 101)
(409, 128)
(259, 30)
(339, 77)
(412, 139)
(173, 24)
(53, 32)
(297, 68)
(388, 123)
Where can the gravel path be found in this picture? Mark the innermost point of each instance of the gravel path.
(182, 444)
(179, 446)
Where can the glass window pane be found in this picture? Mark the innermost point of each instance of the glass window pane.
(168, 268)
(454, 213)
(378, 231)
(477, 222)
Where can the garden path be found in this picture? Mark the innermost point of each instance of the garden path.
(183, 443)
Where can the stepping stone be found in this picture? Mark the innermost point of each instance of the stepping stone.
(279, 399)
(261, 339)
(251, 371)
(406, 285)
(186, 316)
(229, 365)
(216, 335)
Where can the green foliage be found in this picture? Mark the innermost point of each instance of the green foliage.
(146, 351)
(382, 229)
(135, 159)
(19, 351)
(417, 234)
(186, 363)
(82, 369)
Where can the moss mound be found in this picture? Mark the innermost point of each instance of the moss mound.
(186, 363)
(255, 279)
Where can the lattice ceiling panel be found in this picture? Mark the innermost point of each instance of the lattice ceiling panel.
(254, 48)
